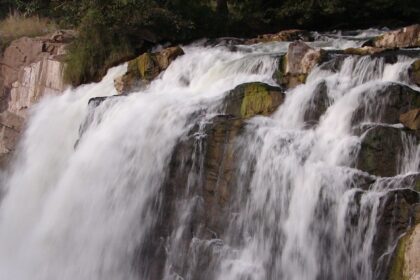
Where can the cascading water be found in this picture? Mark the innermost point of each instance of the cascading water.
(294, 224)
(87, 196)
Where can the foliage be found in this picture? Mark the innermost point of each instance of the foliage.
(16, 25)
(113, 30)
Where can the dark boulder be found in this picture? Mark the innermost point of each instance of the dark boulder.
(318, 105)
(380, 150)
(386, 103)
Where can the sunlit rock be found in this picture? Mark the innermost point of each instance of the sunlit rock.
(145, 68)
(411, 119)
(406, 37)
(295, 66)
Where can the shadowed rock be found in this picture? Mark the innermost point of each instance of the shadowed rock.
(285, 35)
(380, 150)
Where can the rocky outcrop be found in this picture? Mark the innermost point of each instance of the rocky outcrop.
(296, 65)
(407, 37)
(285, 35)
(29, 69)
(145, 68)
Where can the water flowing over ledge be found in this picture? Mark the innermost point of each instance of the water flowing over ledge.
(198, 175)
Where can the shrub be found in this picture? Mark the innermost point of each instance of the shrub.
(16, 25)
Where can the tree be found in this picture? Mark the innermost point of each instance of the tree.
(221, 7)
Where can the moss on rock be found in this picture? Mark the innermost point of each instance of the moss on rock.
(251, 99)
(148, 66)
(257, 100)
(145, 68)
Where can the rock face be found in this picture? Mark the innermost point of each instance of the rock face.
(210, 148)
(295, 66)
(29, 69)
(145, 68)
(285, 35)
(407, 37)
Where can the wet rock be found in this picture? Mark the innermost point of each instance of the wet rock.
(319, 104)
(10, 128)
(380, 150)
(411, 119)
(241, 103)
(219, 166)
(295, 66)
(145, 68)
(386, 103)
(94, 116)
(406, 37)
(248, 100)
(414, 72)
(395, 225)
(285, 35)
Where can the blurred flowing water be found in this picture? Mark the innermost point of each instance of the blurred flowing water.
(85, 191)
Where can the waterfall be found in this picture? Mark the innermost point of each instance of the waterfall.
(94, 190)
(294, 223)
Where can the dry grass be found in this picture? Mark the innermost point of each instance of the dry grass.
(16, 26)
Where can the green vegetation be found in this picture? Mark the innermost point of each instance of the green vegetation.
(16, 25)
(257, 100)
(114, 30)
